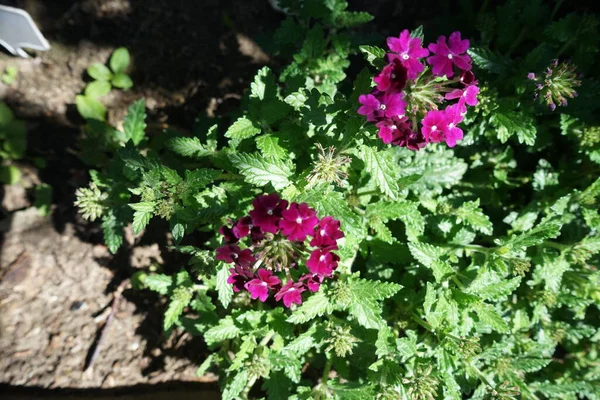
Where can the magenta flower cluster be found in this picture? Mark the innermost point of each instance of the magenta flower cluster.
(407, 93)
(278, 237)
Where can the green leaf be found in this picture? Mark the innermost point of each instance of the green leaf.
(188, 147)
(441, 269)
(277, 386)
(407, 211)
(159, 283)
(180, 299)
(490, 286)
(122, 81)
(352, 391)
(316, 305)
(134, 124)
(225, 329)
(372, 54)
(97, 89)
(269, 147)
(206, 364)
(510, 123)
(535, 236)
(364, 297)
(145, 206)
(15, 139)
(119, 60)
(99, 72)
(224, 289)
(489, 61)
(260, 171)
(243, 128)
(362, 85)
(9, 174)
(264, 86)
(90, 108)
(200, 178)
(383, 169)
(43, 198)
(472, 214)
(113, 231)
(6, 114)
(291, 365)
(178, 231)
(140, 220)
(235, 386)
(425, 253)
(488, 315)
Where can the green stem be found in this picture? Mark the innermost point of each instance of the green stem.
(477, 248)
(422, 322)
(267, 338)
(559, 246)
(228, 176)
(369, 193)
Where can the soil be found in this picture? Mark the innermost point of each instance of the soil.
(57, 280)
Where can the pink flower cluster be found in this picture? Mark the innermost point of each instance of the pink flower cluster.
(277, 236)
(406, 92)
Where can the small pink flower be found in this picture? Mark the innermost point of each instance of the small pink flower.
(298, 222)
(322, 262)
(327, 233)
(370, 107)
(434, 125)
(267, 212)
(242, 227)
(228, 235)
(447, 55)
(389, 128)
(408, 50)
(291, 293)
(259, 287)
(468, 95)
(406, 137)
(381, 104)
(313, 282)
(392, 77)
(233, 254)
(238, 278)
(454, 117)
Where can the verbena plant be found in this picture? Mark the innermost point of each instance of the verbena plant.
(428, 229)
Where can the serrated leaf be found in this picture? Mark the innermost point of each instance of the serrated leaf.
(242, 128)
(489, 61)
(364, 297)
(372, 54)
(140, 220)
(352, 391)
(441, 269)
(145, 206)
(224, 289)
(316, 305)
(206, 364)
(425, 253)
(471, 213)
(159, 283)
(235, 386)
(269, 146)
(488, 315)
(535, 236)
(497, 290)
(260, 171)
(288, 363)
(180, 299)
(225, 329)
(277, 386)
(113, 231)
(514, 123)
(134, 125)
(407, 211)
(188, 147)
(264, 86)
(362, 85)
(119, 60)
(200, 178)
(383, 169)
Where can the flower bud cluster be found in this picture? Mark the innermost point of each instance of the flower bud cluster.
(556, 84)
(279, 236)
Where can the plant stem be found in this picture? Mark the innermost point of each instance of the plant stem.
(422, 322)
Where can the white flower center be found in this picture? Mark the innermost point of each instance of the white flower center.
(405, 56)
(298, 220)
(263, 283)
(433, 127)
(382, 107)
(464, 93)
(393, 76)
(393, 127)
(270, 212)
(449, 56)
(451, 125)
(234, 255)
(323, 233)
(322, 258)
